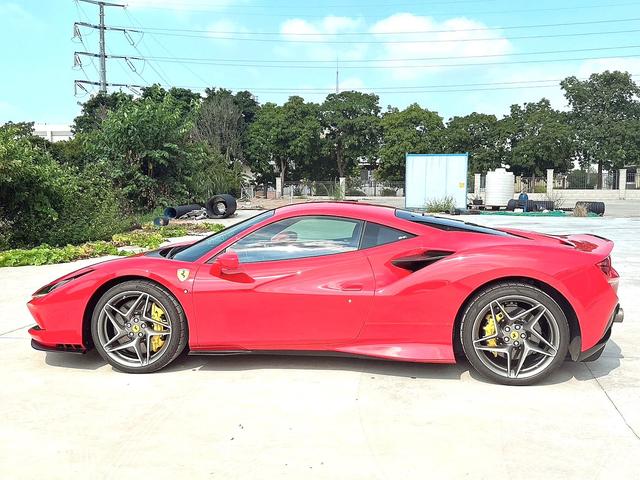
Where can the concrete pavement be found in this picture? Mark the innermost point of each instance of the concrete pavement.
(263, 417)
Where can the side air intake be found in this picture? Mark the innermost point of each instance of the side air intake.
(414, 263)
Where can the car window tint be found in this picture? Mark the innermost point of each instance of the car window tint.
(299, 237)
(375, 235)
(198, 249)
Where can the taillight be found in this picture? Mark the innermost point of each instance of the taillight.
(612, 275)
(605, 266)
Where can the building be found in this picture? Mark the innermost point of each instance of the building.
(53, 132)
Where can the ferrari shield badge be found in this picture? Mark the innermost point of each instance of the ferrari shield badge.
(183, 274)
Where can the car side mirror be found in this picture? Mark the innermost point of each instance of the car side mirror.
(228, 262)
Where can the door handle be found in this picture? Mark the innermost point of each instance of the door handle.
(351, 287)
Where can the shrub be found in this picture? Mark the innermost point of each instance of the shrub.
(580, 211)
(441, 205)
(388, 192)
(354, 192)
(49, 203)
(44, 254)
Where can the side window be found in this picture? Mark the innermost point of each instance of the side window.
(299, 237)
(375, 235)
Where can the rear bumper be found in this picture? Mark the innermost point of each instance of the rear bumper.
(594, 352)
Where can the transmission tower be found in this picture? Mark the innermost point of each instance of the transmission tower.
(102, 55)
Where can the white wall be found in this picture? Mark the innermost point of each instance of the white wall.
(53, 132)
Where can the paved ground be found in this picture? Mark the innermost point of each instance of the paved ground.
(329, 418)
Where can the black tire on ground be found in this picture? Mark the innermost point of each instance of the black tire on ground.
(532, 206)
(177, 323)
(593, 207)
(512, 205)
(221, 206)
(161, 221)
(544, 204)
(476, 308)
(180, 210)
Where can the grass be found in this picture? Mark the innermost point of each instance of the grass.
(148, 237)
(440, 205)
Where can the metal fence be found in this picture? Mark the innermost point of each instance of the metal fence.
(633, 181)
(372, 188)
(587, 180)
(305, 189)
(530, 185)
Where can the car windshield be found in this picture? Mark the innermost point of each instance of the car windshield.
(198, 249)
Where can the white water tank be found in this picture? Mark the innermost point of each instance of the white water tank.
(499, 188)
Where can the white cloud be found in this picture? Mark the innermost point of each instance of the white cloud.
(440, 39)
(218, 28)
(15, 13)
(313, 34)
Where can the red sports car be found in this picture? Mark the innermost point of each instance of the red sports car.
(345, 278)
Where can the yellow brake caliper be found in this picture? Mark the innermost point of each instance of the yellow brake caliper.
(157, 314)
(490, 329)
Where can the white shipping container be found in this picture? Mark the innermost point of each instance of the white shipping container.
(434, 177)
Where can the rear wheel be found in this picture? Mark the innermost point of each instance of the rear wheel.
(514, 333)
(137, 327)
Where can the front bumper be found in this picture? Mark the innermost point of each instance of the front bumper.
(594, 352)
(39, 341)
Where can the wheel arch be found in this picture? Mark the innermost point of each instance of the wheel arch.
(560, 299)
(87, 340)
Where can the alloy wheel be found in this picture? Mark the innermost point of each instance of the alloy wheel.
(134, 328)
(516, 336)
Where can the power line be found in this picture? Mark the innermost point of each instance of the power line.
(413, 41)
(441, 65)
(295, 63)
(433, 88)
(332, 34)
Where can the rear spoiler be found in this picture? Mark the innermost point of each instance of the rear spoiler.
(589, 243)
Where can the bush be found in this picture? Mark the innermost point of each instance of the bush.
(441, 205)
(45, 255)
(388, 192)
(354, 192)
(48, 203)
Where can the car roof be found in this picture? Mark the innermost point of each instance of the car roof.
(348, 209)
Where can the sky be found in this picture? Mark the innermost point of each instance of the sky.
(452, 56)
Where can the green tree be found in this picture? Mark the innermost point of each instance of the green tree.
(605, 113)
(42, 201)
(351, 125)
(146, 145)
(95, 110)
(537, 138)
(284, 140)
(219, 123)
(412, 130)
(479, 135)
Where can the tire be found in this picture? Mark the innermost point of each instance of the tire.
(494, 353)
(221, 206)
(153, 342)
(512, 205)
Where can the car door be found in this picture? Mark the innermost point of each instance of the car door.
(300, 282)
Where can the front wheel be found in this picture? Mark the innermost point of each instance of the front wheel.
(514, 333)
(137, 327)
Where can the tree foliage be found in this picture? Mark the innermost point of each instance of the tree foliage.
(605, 115)
(351, 125)
(412, 130)
(537, 138)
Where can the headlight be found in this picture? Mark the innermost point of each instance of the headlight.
(52, 286)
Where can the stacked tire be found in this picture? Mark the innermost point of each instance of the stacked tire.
(221, 206)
